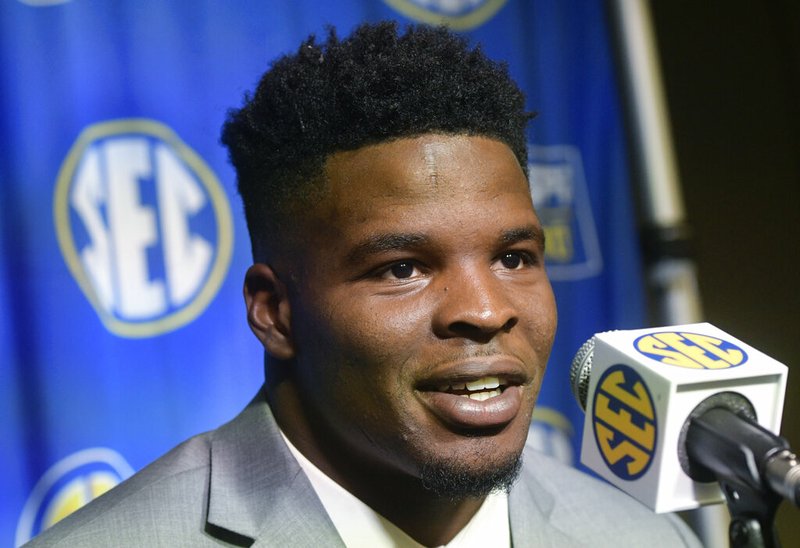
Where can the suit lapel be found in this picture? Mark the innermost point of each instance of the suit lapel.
(258, 491)
(259, 496)
(530, 506)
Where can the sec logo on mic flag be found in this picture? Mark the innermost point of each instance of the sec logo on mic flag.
(624, 420)
(690, 350)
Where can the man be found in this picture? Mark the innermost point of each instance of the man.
(400, 294)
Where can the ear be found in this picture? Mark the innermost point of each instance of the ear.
(268, 311)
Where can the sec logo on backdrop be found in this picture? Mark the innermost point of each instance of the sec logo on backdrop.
(68, 485)
(690, 350)
(551, 433)
(561, 197)
(456, 14)
(144, 226)
(624, 421)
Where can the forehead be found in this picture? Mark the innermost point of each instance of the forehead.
(436, 172)
(460, 195)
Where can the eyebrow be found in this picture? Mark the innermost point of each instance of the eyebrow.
(523, 234)
(381, 243)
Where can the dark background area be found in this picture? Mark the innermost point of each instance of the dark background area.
(732, 76)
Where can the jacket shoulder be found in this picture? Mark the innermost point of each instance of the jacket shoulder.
(587, 511)
(164, 501)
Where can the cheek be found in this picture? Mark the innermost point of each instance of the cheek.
(540, 317)
(360, 347)
(381, 330)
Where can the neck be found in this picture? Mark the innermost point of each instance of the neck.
(429, 519)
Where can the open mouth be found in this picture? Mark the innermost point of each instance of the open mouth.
(479, 403)
(480, 389)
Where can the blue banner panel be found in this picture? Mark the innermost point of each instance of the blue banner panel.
(122, 327)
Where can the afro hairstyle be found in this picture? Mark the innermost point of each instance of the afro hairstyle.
(374, 86)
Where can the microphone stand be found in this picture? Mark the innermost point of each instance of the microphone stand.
(754, 467)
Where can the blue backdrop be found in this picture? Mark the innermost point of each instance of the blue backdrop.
(122, 327)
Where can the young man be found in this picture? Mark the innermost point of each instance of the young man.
(400, 294)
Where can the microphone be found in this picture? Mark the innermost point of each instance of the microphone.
(670, 411)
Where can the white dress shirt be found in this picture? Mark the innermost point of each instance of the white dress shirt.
(360, 526)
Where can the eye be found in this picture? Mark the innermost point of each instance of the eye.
(512, 261)
(516, 260)
(402, 270)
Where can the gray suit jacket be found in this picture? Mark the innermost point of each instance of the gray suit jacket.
(239, 485)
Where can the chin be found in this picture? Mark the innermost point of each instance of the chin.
(457, 480)
(487, 464)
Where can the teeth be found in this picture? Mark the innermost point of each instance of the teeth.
(480, 389)
(483, 383)
(483, 396)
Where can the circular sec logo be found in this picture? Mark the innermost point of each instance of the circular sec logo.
(551, 433)
(68, 485)
(625, 426)
(456, 14)
(144, 226)
(690, 350)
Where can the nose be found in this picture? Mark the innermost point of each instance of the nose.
(475, 304)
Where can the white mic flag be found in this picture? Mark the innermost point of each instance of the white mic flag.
(638, 388)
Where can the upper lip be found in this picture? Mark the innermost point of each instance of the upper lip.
(509, 372)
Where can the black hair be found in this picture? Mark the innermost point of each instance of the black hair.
(373, 86)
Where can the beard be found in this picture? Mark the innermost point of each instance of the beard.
(452, 480)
